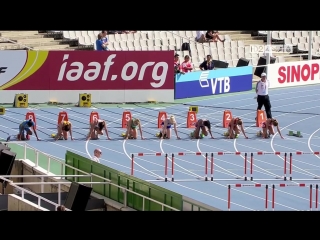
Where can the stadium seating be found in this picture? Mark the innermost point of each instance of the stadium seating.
(236, 45)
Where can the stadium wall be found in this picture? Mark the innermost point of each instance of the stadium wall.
(137, 185)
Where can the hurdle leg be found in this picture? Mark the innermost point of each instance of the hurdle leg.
(317, 195)
(273, 196)
(266, 203)
(211, 166)
(285, 167)
(245, 166)
(206, 168)
(251, 167)
(310, 197)
(166, 168)
(132, 163)
(290, 167)
(229, 197)
(172, 167)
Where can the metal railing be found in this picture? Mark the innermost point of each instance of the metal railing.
(51, 159)
(25, 191)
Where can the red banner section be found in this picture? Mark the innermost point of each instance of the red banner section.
(86, 70)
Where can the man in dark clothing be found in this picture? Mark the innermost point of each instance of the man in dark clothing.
(208, 64)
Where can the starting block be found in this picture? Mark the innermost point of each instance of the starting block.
(298, 134)
(94, 116)
(124, 135)
(192, 135)
(191, 119)
(27, 136)
(53, 135)
(162, 116)
(32, 116)
(226, 134)
(126, 117)
(259, 134)
(227, 116)
(63, 116)
(261, 117)
(194, 109)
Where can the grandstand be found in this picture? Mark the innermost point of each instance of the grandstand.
(237, 44)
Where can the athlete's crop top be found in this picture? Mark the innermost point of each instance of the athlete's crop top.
(235, 121)
(25, 125)
(133, 126)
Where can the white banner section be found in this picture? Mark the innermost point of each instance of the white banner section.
(290, 74)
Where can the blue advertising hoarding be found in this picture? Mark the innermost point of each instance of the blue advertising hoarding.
(213, 82)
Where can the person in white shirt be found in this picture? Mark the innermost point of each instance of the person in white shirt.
(263, 99)
(201, 38)
(97, 154)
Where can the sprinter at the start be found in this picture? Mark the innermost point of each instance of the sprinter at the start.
(24, 127)
(96, 128)
(63, 129)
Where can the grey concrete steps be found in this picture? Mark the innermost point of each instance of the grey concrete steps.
(54, 47)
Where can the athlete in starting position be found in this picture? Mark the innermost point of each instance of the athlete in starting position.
(132, 129)
(234, 128)
(96, 128)
(63, 129)
(166, 128)
(268, 126)
(25, 127)
(205, 126)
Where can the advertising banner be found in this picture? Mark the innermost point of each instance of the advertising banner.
(205, 83)
(85, 71)
(290, 74)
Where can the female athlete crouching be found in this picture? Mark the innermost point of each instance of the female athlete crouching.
(63, 129)
(234, 128)
(132, 126)
(166, 128)
(24, 127)
(268, 125)
(96, 128)
(205, 126)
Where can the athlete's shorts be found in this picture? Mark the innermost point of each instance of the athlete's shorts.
(264, 125)
(168, 126)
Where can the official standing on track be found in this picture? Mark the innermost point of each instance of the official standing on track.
(262, 89)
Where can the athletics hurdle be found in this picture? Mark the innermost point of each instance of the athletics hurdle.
(248, 164)
(165, 155)
(266, 200)
(299, 154)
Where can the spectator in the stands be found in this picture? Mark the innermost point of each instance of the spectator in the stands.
(209, 36)
(216, 36)
(201, 38)
(100, 45)
(105, 39)
(207, 64)
(176, 64)
(186, 66)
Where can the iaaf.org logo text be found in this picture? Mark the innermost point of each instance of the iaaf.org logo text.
(3, 69)
(73, 71)
(273, 48)
(224, 83)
